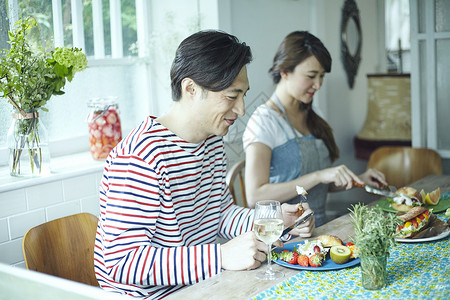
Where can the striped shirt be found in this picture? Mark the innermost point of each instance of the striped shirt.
(163, 202)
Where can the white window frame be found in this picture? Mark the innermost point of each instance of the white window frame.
(151, 86)
(76, 144)
(426, 135)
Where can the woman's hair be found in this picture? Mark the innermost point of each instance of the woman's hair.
(295, 48)
(213, 59)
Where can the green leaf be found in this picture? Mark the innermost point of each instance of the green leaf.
(31, 75)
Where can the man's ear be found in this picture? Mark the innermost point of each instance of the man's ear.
(188, 87)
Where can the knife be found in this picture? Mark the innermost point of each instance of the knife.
(374, 190)
(302, 219)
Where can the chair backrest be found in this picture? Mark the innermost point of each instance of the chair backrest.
(236, 171)
(63, 247)
(405, 165)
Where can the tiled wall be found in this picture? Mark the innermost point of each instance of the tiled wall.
(25, 208)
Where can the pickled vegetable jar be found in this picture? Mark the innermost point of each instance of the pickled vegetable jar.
(105, 131)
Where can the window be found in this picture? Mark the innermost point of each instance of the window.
(398, 44)
(125, 59)
(430, 41)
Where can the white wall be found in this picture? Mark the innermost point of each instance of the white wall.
(24, 208)
(263, 24)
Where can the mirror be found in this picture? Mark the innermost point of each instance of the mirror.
(351, 40)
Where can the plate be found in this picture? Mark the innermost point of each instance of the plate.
(327, 265)
(443, 204)
(428, 239)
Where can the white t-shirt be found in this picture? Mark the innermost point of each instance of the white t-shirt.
(268, 127)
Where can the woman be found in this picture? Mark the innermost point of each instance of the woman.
(286, 143)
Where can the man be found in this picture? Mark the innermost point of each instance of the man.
(163, 196)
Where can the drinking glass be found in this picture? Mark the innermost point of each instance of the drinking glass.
(268, 226)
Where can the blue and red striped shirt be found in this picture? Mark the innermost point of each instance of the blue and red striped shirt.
(163, 202)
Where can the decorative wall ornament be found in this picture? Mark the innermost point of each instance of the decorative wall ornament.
(351, 40)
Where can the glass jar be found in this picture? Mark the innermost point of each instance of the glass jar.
(27, 142)
(105, 131)
(373, 271)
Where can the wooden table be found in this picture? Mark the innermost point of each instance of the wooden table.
(243, 284)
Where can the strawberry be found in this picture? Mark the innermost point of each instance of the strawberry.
(291, 258)
(315, 260)
(303, 260)
(316, 249)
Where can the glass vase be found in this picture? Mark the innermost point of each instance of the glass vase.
(27, 142)
(373, 271)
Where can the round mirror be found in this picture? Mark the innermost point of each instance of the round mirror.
(351, 40)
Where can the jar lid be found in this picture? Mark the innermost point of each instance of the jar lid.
(102, 101)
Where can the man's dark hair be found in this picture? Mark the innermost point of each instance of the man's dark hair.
(213, 59)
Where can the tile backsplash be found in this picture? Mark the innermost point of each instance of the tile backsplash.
(24, 208)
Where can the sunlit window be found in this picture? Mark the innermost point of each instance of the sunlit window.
(398, 44)
(125, 59)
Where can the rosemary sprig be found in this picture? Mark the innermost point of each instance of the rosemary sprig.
(374, 230)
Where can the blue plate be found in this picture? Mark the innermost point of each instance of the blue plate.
(327, 265)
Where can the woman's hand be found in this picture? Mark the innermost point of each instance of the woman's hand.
(291, 213)
(374, 178)
(340, 176)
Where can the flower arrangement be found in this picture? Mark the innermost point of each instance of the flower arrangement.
(29, 76)
(374, 236)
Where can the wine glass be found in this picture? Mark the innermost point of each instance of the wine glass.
(268, 226)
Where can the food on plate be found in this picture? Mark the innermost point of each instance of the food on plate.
(303, 260)
(353, 249)
(312, 247)
(408, 197)
(313, 253)
(329, 240)
(434, 228)
(431, 198)
(291, 257)
(415, 221)
(316, 260)
(340, 254)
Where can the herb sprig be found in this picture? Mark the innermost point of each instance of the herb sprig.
(374, 231)
(30, 75)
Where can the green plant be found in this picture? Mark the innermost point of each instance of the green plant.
(29, 76)
(374, 236)
(374, 230)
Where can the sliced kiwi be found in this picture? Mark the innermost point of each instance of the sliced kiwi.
(340, 254)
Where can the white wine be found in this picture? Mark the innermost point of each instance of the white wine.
(268, 230)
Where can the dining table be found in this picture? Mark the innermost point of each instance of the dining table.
(414, 269)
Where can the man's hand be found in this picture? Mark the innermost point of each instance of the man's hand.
(244, 252)
(291, 214)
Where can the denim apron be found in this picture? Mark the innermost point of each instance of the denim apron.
(302, 155)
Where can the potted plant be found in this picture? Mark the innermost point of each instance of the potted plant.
(374, 236)
(29, 76)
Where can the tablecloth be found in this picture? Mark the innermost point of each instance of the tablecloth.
(414, 271)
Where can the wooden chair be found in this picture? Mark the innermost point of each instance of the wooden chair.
(404, 165)
(63, 247)
(236, 171)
